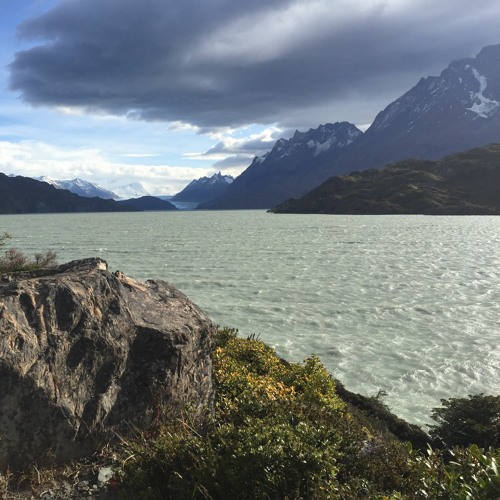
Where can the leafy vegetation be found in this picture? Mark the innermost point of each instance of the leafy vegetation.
(15, 260)
(463, 421)
(281, 431)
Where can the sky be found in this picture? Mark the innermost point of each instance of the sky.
(160, 92)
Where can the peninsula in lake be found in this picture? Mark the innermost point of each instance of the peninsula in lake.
(461, 184)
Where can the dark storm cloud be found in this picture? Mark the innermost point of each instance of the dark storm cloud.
(220, 63)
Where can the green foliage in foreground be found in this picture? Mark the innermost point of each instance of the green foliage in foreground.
(14, 260)
(281, 431)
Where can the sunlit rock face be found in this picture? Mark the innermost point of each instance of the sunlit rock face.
(85, 353)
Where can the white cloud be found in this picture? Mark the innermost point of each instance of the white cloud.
(236, 148)
(33, 159)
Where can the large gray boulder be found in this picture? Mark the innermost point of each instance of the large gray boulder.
(86, 353)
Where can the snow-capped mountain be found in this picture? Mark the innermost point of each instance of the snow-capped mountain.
(133, 190)
(204, 189)
(25, 195)
(468, 89)
(455, 111)
(291, 168)
(80, 187)
(318, 141)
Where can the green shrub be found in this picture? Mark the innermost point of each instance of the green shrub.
(462, 421)
(470, 474)
(275, 434)
(281, 431)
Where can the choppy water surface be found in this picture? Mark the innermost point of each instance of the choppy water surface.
(405, 304)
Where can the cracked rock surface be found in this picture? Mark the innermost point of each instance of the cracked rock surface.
(86, 353)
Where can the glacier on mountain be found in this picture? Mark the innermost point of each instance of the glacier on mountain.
(482, 106)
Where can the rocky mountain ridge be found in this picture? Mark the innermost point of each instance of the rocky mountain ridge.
(452, 112)
(204, 189)
(293, 165)
(440, 115)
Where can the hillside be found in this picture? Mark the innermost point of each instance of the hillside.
(461, 184)
(148, 203)
(23, 195)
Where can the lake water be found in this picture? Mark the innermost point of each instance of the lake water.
(405, 304)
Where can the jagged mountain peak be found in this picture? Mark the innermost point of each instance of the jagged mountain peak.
(467, 89)
(214, 179)
(204, 189)
(290, 168)
(330, 135)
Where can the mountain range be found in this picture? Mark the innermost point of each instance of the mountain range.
(460, 184)
(26, 195)
(20, 195)
(88, 189)
(452, 112)
(80, 187)
(291, 168)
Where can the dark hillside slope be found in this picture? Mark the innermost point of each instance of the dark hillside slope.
(148, 203)
(461, 184)
(23, 195)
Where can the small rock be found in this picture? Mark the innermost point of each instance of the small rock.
(82, 485)
(105, 475)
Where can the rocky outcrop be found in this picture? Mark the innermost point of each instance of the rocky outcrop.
(86, 353)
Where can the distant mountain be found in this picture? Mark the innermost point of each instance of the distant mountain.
(204, 189)
(80, 187)
(291, 168)
(19, 195)
(461, 184)
(456, 111)
(148, 203)
(133, 190)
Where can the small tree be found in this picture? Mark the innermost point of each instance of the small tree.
(45, 259)
(15, 260)
(462, 421)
